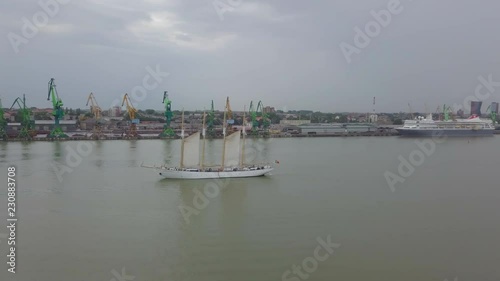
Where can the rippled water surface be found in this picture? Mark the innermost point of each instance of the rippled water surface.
(88, 211)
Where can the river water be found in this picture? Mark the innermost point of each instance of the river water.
(88, 211)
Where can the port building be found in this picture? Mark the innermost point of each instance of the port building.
(475, 108)
(336, 128)
(46, 125)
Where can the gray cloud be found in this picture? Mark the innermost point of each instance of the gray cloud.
(283, 52)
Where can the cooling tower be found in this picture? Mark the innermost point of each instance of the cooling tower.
(475, 108)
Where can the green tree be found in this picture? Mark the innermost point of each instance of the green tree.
(42, 116)
(343, 119)
(330, 118)
(397, 122)
(275, 118)
(19, 116)
(315, 118)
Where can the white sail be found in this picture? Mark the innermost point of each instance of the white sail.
(191, 157)
(232, 150)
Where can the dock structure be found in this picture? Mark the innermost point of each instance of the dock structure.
(156, 137)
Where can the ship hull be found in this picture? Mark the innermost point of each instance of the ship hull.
(444, 132)
(176, 174)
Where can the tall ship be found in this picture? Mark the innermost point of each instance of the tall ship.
(473, 126)
(232, 165)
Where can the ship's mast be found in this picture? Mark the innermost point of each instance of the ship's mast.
(224, 135)
(182, 140)
(203, 132)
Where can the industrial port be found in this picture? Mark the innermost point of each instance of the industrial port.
(23, 123)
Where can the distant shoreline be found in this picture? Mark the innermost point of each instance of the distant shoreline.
(150, 137)
(352, 134)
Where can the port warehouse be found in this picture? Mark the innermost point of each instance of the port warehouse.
(297, 127)
(101, 124)
(331, 129)
(72, 125)
(318, 129)
(45, 125)
(42, 126)
(117, 127)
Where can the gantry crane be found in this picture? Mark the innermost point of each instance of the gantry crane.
(131, 113)
(96, 111)
(259, 118)
(57, 111)
(264, 117)
(253, 118)
(447, 113)
(493, 114)
(3, 123)
(27, 124)
(229, 116)
(211, 121)
(167, 130)
(438, 112)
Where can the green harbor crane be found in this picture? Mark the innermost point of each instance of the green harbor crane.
(27, 124)
(493, 114)
(168, 132)
(253, 118)
(229, 114)
(3, 123)
(447, 113)
(264, 117)
(57, 112)
(211, 121)
(260, 120)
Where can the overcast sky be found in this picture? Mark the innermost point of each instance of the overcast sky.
(284, 52)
